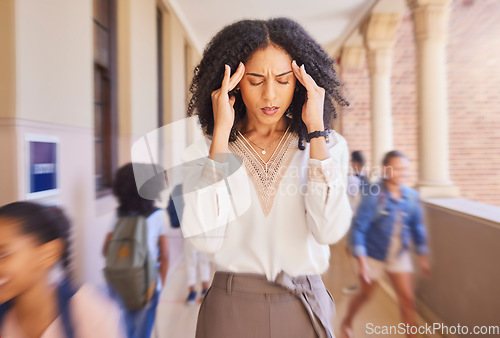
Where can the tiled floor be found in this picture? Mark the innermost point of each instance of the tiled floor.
(176, 319)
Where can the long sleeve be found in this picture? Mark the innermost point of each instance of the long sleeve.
(418, 230)
(328, 212)
(361, 224)
(209, 187)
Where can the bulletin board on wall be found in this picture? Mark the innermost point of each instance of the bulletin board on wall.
(42, 169)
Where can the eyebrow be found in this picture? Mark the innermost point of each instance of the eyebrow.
(260, 75)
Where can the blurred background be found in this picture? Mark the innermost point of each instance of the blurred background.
(81, 81)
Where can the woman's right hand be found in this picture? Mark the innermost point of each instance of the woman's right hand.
(222, 104)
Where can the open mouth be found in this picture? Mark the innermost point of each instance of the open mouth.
(270, 110)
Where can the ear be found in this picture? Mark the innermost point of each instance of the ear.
(51, 252)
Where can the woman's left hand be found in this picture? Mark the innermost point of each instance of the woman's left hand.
(312, 111)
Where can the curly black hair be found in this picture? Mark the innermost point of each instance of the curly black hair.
(238, 42)
(130, 199)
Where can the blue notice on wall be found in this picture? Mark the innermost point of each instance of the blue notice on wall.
(42, 166)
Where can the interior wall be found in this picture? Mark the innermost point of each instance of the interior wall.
(464, 284)
(54, 70)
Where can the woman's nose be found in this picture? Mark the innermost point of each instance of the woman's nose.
(269, 91)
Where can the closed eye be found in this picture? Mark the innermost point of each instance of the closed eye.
(5, 254)
(258, 83)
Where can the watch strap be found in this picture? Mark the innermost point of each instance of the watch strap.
(317, 133)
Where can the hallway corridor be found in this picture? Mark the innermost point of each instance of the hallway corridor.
(176, 319)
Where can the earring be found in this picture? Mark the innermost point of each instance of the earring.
(289, 114)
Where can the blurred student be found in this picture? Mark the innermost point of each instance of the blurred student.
(197, 263)
(386, 221)
(357, 182)
(357, 186)
(140, 321)
(34, 241)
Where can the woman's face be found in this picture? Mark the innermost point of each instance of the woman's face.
(23, 261)
(268, 85)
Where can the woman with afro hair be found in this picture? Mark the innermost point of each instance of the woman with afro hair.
(265, 190)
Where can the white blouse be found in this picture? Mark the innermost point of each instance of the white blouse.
(258, 217)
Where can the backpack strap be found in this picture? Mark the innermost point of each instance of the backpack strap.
(64, 294)
(4, 308)
(172, 213)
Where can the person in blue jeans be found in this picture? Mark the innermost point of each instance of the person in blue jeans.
(388, 218)
(357, 186)
(140, 322)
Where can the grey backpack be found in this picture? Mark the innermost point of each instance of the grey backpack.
(130, 270)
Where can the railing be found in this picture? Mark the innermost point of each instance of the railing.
(464, 243)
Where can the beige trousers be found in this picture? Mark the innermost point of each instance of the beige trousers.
(241, 305)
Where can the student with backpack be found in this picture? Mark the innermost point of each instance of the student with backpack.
(136, 251)
(34, 242)
(388, 218)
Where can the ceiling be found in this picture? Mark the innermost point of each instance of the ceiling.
(328, 21)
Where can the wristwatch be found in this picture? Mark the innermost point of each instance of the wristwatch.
(317, 133)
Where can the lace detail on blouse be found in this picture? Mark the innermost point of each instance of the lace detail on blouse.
(266, 176)
(213, 172)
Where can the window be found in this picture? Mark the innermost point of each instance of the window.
(105, 117)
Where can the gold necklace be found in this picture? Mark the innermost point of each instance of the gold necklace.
(264, 150)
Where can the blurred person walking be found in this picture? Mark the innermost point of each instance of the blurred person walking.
(357, 187)
(197, 263)
(387, 219)
(34, 244)
(358, 182)
(134, 208)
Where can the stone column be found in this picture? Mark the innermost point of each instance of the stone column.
(379, 38)
(431, 19)
(351, 57)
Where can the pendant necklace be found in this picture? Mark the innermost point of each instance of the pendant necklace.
(264, 150)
